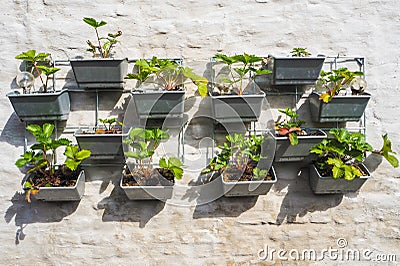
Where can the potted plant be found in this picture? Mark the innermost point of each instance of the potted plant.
(105, 142)
(299, 69)
(343, 98)
(45, 103)
(160, 91)
(46, 180)
(339, 167)
(101, 71)
(235, 97)
(293, 142)
(242, 166)
(143, 181)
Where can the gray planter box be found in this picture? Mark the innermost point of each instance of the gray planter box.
(295, 70)
(147, 192)
(237, 108)
(102, 146)
(285, 152)
(97, 73)
(159, 104)
(328, 185)
(247, 188)
(41, 106)
(63, 193)
(339, 109)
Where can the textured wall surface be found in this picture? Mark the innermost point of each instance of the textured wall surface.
(104, 228)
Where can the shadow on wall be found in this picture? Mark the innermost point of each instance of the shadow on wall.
(25, 213)
(117, 208)
(13, 131)
(300, 200)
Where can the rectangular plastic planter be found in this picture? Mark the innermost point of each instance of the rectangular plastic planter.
(41, 106)
(295, 70)
(237, 108)
(285, 152)
(147, 192)
(339, 109)
(97, 73)
(102, 146)
(247, 188)
(328, 185)
(158, 104)
(63, 193)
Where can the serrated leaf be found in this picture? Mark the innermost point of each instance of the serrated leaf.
(337, 172)
(162, 163)
(391, 159)
(83, 154)
(178, 172)
(173, 161)
(48, 129)
(293, 139)
(71, 164)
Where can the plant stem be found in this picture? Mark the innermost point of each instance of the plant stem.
(40, 76)
(98, 39)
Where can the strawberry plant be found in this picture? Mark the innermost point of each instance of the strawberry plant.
(168, 74)
(300, 52)
(39, 65)
(240, 68)
(340, 156)
(291, 127)
(143, 144)
(337, 80)
(40, 159)
(104, 45)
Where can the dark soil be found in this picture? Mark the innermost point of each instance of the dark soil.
(154, 177)
(63, 177)
(236, 174)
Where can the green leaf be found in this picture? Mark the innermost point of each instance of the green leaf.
(178, 172)
(391, 159)
(337, 172)
(71, 151)
(95, 24)
(293, 139)
(132, 154)
(71, 164)
(48, 129)
(163, 163)
(83, 154)
(34, 129)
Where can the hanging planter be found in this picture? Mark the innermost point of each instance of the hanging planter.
(339, 109)
(300, 69)
(235, 96)
(328, 185)
(158, 104)
(161, 92)
(339, 168)
(286, 152)
(248, 188)
(143, 181)
(101, 71)
(41, 106)
(344, 98)
(98, 73)
(71, 193)
(44, 104)
(237, 108)
(103, 142)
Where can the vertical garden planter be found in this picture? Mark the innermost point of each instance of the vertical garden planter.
(237, 108)
(102, 146)
(295, 70)
(159, 104)
(339, 109)
(328, 185)
(147, 192)
(41, 106)
(248, 188)
(74, 193)
(99, 73)
(285, 152)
